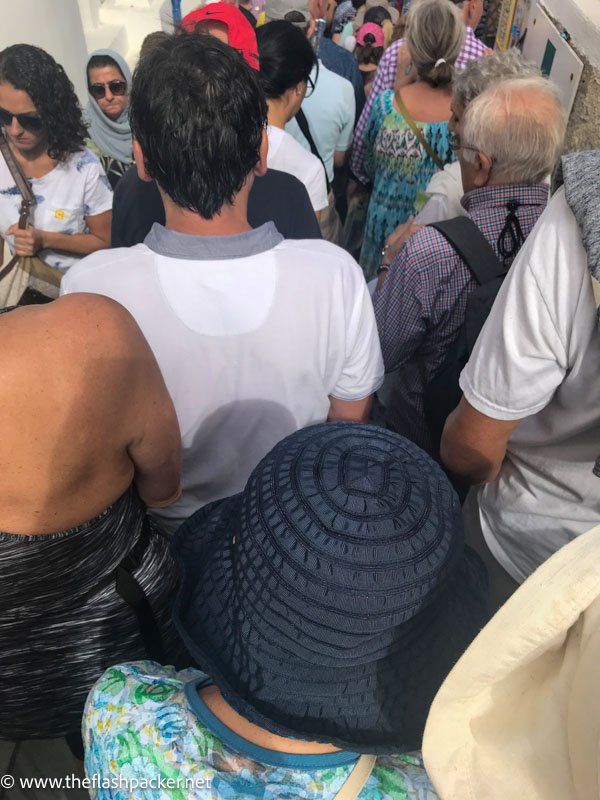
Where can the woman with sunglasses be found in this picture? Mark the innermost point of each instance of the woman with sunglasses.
(286, 60)
(42, 124)
(108, 81)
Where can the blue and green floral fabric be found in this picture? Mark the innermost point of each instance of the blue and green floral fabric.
(147, 726)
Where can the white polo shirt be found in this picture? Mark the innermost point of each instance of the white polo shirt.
(252, 333)
(538, 359)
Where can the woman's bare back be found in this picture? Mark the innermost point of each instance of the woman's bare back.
(83, 411)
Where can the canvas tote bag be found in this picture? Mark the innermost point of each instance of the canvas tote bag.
(25, 279)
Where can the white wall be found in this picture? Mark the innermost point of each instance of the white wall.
(55, 26)
(581, 18)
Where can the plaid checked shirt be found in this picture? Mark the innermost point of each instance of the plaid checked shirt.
(385, 77)
(422, 302)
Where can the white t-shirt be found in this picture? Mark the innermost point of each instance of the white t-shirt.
(74, 189)
(445, 191)
(329, 111)
(287, 155)
(538, 359)
(251, 340)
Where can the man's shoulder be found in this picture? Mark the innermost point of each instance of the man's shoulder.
(335, 84)
(335, 56)
(427, 249)
(101, 265)
(556, 238)
(319, 258)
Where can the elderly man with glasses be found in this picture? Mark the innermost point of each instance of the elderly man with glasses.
(510, 139)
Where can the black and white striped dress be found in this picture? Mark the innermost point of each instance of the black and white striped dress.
(63, 621)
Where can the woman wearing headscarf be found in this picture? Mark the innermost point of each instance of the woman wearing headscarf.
(108, 81)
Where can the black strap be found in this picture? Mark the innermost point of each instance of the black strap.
(472, 246)
(130, 591)
(511, 237)
(303, 125)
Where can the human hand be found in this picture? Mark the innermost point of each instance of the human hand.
(27, 240)
(396, 240)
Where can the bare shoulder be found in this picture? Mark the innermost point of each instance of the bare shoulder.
(80, 342)
(85, 322)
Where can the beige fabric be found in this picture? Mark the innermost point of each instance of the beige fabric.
(331, 227)
(518, 718)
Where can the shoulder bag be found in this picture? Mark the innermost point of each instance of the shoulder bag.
(25, 280)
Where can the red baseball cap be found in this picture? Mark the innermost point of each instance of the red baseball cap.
(241, 34)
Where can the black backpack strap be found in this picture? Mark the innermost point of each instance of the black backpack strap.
(472, 246)
(132, 593)
(303, 125)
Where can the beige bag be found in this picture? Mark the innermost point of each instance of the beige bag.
(25, 279)
(518, 718)
(329, 222)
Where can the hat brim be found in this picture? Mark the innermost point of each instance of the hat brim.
(275, 674)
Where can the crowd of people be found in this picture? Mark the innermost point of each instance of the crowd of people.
(300, 351)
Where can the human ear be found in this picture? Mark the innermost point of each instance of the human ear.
(140, 162)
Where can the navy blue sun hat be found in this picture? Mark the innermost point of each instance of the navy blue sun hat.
(330, 599)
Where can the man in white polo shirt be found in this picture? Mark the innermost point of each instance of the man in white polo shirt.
(528, 426)
(256, 336)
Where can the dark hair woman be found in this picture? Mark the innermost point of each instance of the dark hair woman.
(108, 82)
(286, 62)
(45, 132)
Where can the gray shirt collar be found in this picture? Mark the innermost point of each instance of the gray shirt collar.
(173, 244)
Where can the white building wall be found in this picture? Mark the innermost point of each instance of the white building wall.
(581, 18)
(55, 26)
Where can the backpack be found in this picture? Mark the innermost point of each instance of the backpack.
(442, 394)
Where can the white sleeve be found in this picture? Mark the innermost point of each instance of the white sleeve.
(363, 370)
(521, 355)
(434, 210)
(316, 185)
(98, 194)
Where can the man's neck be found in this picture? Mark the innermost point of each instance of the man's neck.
(230, 220)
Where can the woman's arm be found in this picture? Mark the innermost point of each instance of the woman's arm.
(29, 241)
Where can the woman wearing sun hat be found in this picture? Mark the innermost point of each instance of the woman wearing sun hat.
(325, 604)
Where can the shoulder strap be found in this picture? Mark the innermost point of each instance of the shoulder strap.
(15, 170)
(303, 125)
(355, 782)
(418, 133)
(472, 246)
(20, 180)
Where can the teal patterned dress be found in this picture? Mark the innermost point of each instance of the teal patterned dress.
(149, 735)
(399, 169)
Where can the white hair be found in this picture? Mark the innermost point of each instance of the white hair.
(520, 124)
(481, 73)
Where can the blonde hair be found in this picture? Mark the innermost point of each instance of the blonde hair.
(435, 34)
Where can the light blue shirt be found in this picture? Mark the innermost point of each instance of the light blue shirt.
(330, 114)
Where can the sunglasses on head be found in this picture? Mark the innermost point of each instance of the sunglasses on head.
(98, 90)
(29, 122)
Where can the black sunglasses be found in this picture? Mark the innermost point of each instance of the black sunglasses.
(98, 90)
(29, 122)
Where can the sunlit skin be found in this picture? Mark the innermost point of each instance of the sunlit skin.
(30, 145)
(111, 104)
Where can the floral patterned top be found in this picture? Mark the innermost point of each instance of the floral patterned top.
(149, 735)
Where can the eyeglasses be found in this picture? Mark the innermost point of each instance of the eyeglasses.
(456, 144)
(98, 90)
(310, 86)
(29, 122)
